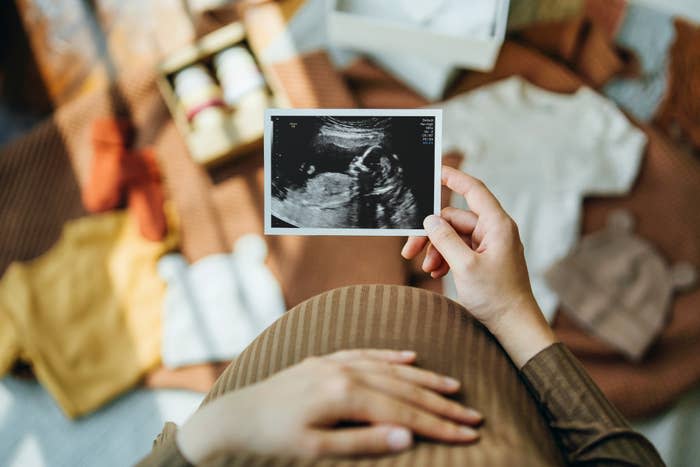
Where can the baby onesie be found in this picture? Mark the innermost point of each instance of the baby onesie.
(540, 153)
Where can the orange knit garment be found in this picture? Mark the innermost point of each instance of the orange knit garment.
(679, 114)
(118, 172)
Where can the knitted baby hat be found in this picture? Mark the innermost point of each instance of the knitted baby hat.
(618, 287)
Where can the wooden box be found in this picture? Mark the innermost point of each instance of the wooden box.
(243, 127)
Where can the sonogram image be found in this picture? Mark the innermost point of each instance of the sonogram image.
(352, 172)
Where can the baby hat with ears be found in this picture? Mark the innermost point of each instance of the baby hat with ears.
(618, 287)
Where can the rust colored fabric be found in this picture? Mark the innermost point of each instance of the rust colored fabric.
(664, 203)
(518, 59)
(117, 169)
(606, 14)
(679, 113)
(582, 44)
(145, 197)
(110, 139)
(563, 418)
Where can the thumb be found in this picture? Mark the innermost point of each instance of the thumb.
(371, 440)
(447, 241)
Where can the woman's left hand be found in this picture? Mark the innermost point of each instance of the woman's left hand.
(296, 411)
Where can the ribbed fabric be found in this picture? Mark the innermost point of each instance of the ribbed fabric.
(582, 44)
(449, 341)
(587, 425)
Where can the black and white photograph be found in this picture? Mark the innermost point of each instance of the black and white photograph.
(351, 171)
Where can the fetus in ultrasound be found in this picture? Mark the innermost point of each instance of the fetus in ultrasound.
(383, 199)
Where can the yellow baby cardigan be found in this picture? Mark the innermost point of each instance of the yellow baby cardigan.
(86, 314)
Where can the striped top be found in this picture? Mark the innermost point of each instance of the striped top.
(549, 413)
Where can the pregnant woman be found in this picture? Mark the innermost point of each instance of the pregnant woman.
(479, 382)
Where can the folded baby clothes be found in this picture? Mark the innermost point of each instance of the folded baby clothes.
(541, 153)
(582, 44)
(618, 287)
(86, 314)
(215, 307)
(119, 172)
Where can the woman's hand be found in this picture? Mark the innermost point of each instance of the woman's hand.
(296, 411)
(482, 248)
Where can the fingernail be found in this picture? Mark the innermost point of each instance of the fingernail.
(451, 382)
(471, 413)
(399, 439)
(431, 222)
(408, 354)
(403, 250)
(468, 432)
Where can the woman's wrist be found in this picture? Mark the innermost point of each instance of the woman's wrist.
(522, 331)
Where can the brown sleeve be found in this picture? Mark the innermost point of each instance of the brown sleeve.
(165, 451)
(588, 428)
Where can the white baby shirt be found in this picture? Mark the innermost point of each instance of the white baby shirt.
(540, 153)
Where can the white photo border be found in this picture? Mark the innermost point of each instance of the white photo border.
(379, 232)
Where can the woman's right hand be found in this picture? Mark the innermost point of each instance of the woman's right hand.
(483, 250)
(296, 411)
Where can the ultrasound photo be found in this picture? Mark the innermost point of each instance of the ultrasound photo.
(351, 172)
